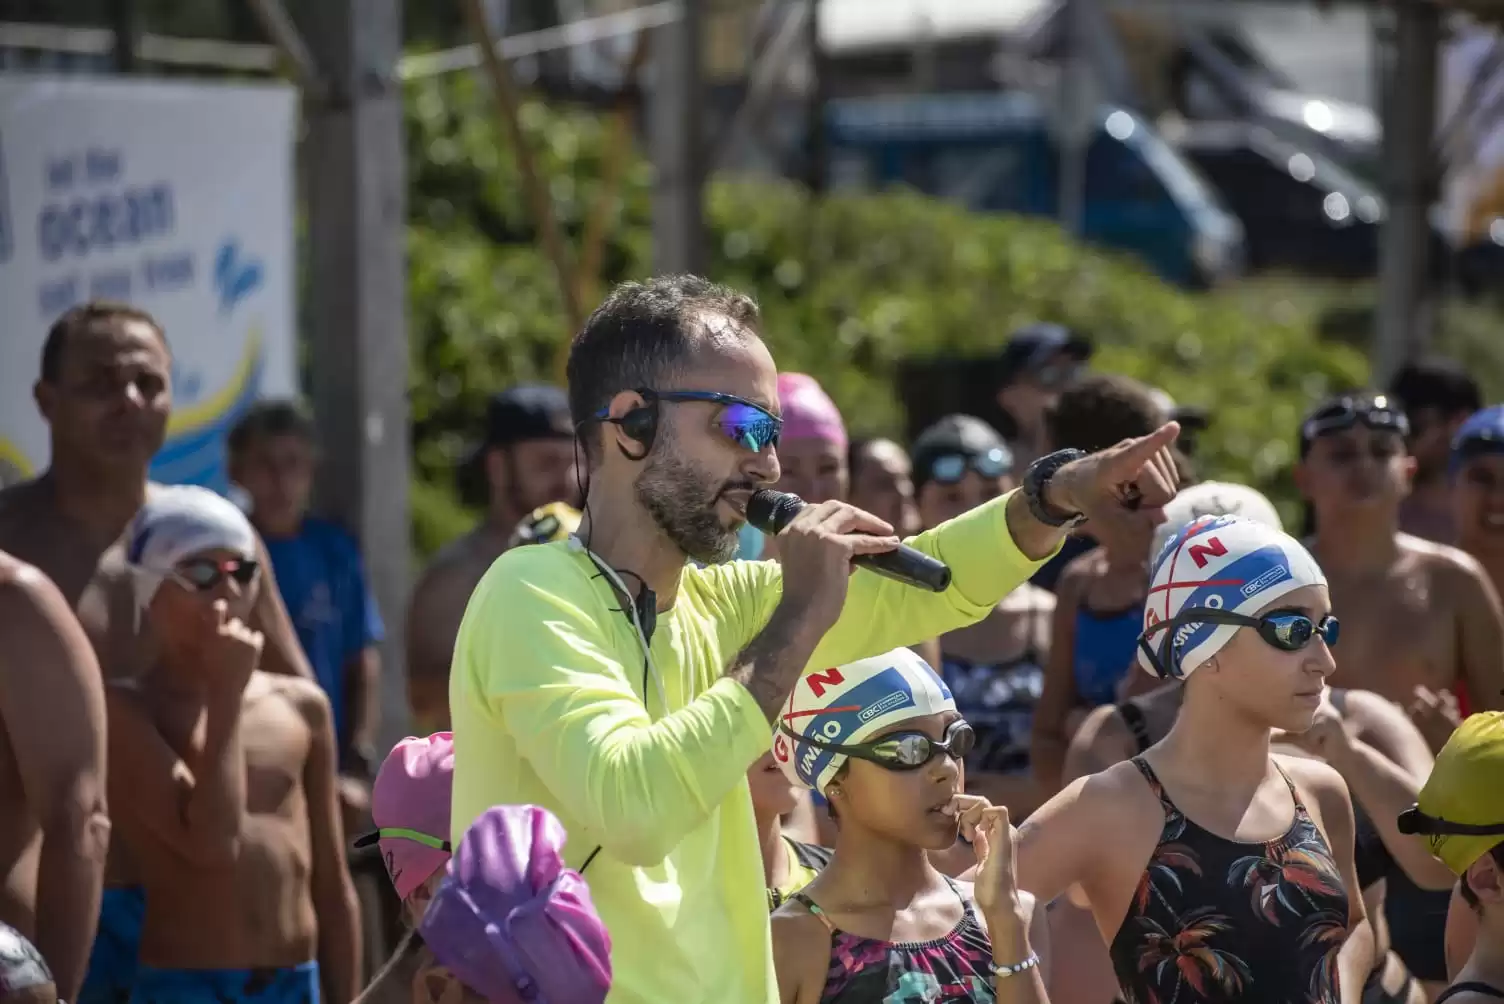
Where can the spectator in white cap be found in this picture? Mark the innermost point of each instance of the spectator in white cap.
(222, 780)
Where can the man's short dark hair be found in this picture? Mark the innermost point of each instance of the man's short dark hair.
(1099, 410)
(1436, 383)
(270, 419)
(643, 334)
(77, 320)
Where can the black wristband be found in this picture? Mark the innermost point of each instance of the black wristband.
(1037, 479)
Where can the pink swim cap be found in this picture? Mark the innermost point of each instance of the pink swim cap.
(410, 806)
(808, 412)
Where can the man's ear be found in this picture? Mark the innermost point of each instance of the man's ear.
(45, 395)
(1486, 879)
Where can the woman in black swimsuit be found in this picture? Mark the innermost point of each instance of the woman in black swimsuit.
(1227, 872)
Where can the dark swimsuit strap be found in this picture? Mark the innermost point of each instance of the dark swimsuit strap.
(814, 908)
(1471, 986)
(1158, 787)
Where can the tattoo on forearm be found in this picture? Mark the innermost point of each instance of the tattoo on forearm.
(770, 666)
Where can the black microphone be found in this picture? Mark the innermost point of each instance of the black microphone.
(771, 511)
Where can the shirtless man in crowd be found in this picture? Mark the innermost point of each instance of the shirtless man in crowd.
(105, 391)
(54, 829)
(1415, 614)
(526, 461)
(1419, 619)
(225, 781)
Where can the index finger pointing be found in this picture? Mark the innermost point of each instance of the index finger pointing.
(1137, 452)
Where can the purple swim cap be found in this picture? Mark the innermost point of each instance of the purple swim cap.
(511, 921)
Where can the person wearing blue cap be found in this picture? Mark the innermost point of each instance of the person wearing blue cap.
(1229, 874)
(1477, 475)
(525, 461)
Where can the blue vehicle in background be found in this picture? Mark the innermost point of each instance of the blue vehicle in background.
(995, 153)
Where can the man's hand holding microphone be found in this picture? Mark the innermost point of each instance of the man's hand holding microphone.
(820, 545)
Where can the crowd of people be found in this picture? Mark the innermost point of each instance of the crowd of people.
(663, 755)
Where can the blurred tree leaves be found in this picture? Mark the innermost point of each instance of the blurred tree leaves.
(849, 287)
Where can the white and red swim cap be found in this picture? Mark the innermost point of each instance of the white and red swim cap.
(1216, 563)
(849, 704)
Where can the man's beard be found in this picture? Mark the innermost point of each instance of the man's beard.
(677, 496)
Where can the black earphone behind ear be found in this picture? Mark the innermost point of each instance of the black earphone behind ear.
(641, 425)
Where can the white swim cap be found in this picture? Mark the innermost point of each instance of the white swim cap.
(1220, 563)
(848, 704)
(1213, 498)
(177, 522)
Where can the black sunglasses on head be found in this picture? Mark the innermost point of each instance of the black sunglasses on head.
(900, 750)
(1379, 413)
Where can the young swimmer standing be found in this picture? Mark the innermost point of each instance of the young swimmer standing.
(1229, 875)
(1460, 814)
(882, 738)
(223, 780)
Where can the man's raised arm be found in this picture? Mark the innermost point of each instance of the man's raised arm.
(995, 548)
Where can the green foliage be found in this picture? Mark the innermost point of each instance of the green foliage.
(849, 286)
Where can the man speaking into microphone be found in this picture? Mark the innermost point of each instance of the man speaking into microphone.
(628, 691)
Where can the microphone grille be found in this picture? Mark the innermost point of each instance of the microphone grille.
(770, 511)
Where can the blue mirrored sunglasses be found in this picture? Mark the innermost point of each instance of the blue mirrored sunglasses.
(748, 425)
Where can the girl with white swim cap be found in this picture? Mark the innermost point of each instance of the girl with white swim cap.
(1229, 872)
(883, 740)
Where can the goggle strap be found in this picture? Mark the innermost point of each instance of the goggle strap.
(416, 836)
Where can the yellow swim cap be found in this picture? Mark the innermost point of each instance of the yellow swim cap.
(547, 523)
(1460, 811)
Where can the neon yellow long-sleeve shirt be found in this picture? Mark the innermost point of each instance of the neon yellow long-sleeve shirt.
(547, 699)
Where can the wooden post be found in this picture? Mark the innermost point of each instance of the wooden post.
(355, 198)
(678, 146)
(1405, 307)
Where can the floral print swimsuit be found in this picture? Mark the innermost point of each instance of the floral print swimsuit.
(867, 971)
(1215, 920)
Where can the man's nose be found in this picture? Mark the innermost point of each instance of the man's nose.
(762, 467)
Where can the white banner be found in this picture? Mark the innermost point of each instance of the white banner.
(174, 197)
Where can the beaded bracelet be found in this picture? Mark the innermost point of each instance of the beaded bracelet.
(1004, 971)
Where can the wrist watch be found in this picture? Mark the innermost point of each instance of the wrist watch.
(1037, 479)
